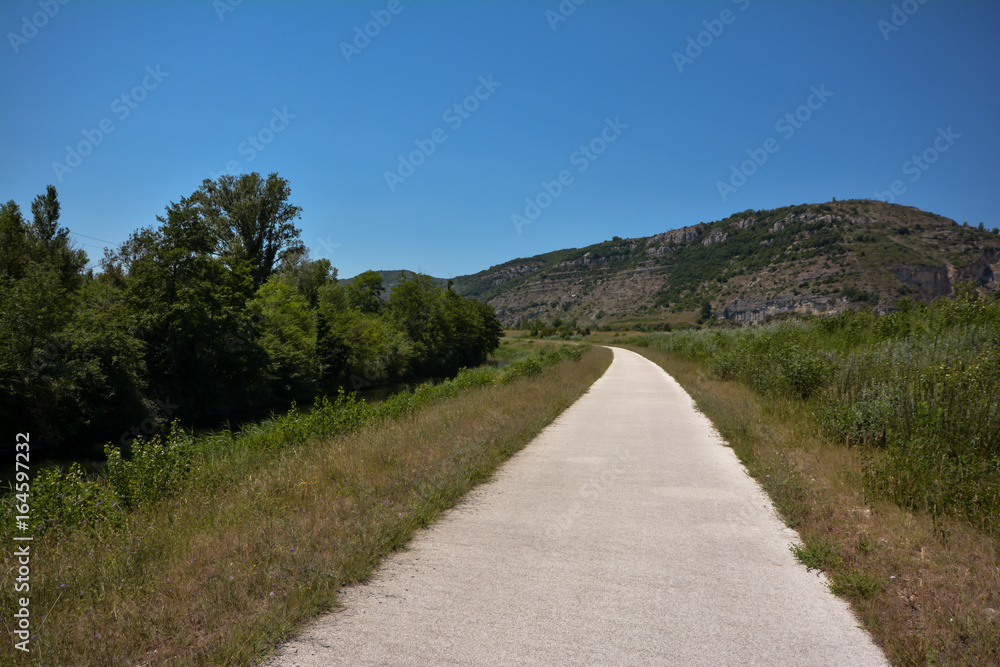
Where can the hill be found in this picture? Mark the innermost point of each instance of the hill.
(807, 259)
(391, 278)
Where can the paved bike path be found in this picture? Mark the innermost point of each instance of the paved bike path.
(626, 533)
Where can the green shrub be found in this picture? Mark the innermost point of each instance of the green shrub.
(157, 468)
(62, 500)
(817, 554)
(857, 584)
(521, 369)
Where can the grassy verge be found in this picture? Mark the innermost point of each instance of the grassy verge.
(927, 587)
(216, 560)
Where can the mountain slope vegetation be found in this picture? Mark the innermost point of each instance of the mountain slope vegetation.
(807, 259)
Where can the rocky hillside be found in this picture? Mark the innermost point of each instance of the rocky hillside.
(812, 258)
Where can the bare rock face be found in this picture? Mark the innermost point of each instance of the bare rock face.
(750, 311)
(932, 281)
(511, 272)
(808, 217)
(676, 237)
(588, 259)
(983, 271)
(716, 236)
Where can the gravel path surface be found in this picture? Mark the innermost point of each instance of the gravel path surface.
(626, 533)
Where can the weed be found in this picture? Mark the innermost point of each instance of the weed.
(860, 584)
(817, 554)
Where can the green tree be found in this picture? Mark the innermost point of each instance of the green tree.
(252, 221)
(309, 276)
(353, 344)
(33, 309)
(200, 343)
(706, 311)
(365, 292)
(287, 336)
(45, 210)
(68, 362)
(448, 332)
(52, 244)
(108, 370)
(13, 241)
(414, 309)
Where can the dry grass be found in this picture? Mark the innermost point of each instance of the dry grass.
(928, 591)
(221, 578)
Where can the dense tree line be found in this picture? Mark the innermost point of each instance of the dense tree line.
(215, 309)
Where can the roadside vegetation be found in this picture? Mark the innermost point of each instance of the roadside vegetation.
(212, 549)
(214, 312)
(878, 437)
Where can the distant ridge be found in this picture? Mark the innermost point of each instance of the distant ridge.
(807, 259)
(391, 278)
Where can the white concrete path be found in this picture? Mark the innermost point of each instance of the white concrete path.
(626, 533)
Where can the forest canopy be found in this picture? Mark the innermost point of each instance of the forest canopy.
(215, 309)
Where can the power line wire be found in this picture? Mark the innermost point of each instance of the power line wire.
(91, 237)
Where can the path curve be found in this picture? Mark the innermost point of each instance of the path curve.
(626, 533)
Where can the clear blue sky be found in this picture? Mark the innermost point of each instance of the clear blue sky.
(277, 71)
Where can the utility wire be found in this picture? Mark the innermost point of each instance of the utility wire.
(94, 238)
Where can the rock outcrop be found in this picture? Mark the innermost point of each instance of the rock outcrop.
(751, 311)
(932, 281)
(715, 236)
(983, 271)
(511, 272)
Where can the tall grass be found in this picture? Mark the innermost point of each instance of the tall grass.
(926, 586)
(165, 465)
(210, 550)
(917, 389)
